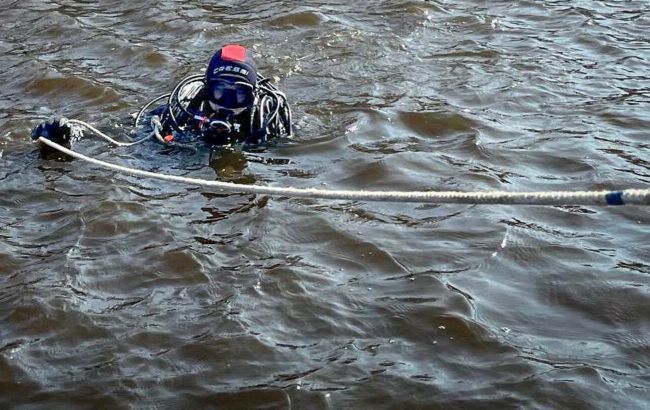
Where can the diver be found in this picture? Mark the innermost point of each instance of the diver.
(230, 104)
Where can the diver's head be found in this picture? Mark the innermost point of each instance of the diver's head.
(231, 79)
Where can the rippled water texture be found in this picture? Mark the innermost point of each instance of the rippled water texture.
(118, 292)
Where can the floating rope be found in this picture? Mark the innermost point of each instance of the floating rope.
(558, 198)
(106, 137)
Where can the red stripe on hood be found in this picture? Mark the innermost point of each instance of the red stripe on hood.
(233, 53)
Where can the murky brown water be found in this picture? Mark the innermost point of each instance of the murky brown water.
(117, 292)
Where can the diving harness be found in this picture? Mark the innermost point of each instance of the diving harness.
(268, 118)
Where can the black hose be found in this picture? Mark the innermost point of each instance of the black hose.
(144, 108)
(270, 104)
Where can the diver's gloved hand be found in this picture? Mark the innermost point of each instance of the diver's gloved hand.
(56, 129)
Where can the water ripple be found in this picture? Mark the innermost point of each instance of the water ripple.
(120, 292)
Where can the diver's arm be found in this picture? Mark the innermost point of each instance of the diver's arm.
(175, 124)
(56, 129)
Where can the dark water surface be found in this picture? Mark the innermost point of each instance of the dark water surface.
(118, 292)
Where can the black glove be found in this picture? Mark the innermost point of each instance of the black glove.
(55, 129)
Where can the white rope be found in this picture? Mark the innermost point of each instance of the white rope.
(106, 137)
(629, 196)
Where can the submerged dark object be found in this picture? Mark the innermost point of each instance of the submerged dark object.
(56, 129)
